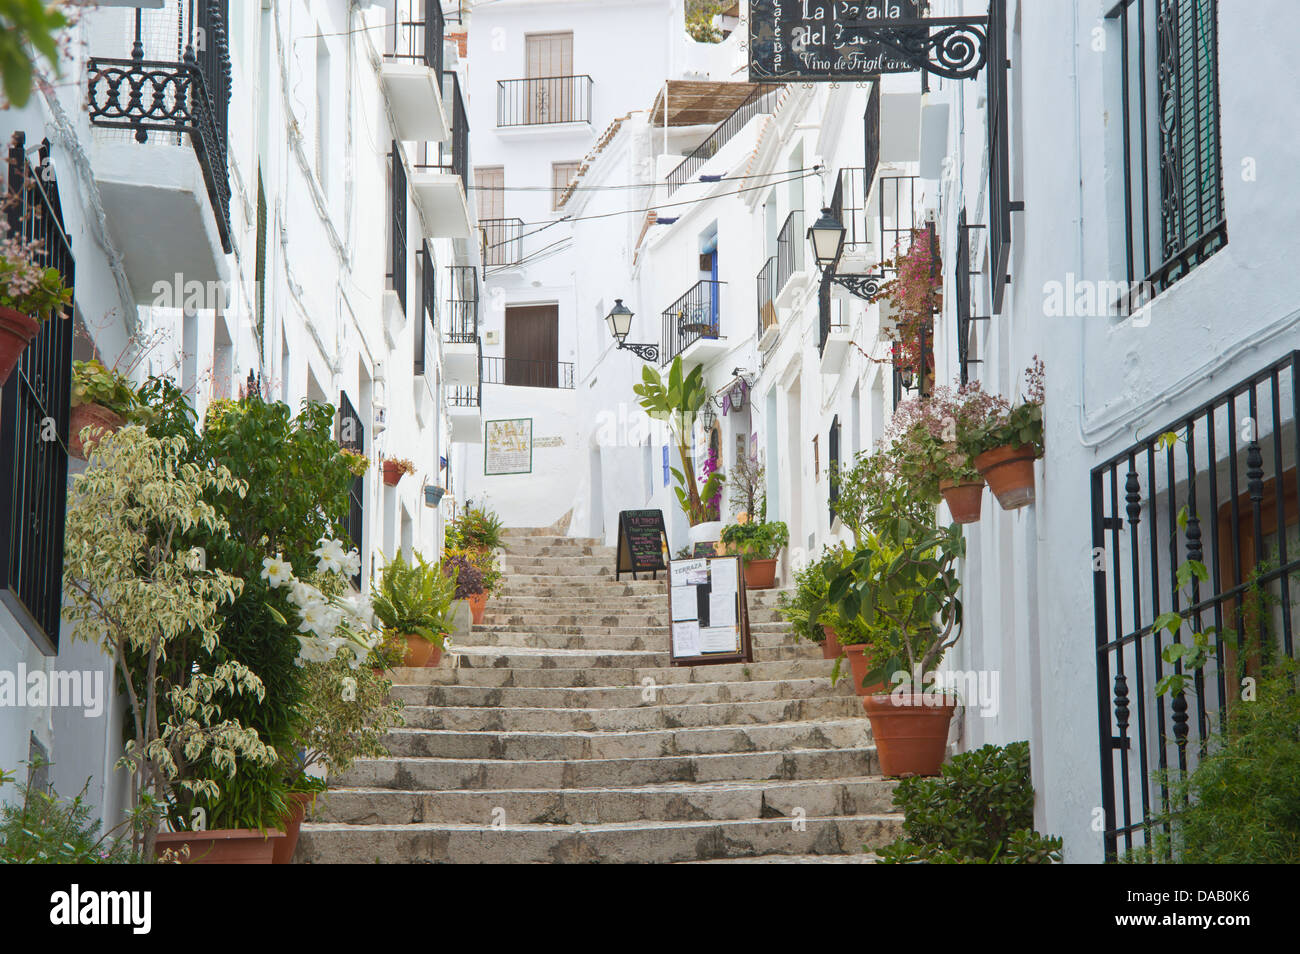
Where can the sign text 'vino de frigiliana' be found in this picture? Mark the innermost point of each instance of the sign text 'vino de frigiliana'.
(834, 41)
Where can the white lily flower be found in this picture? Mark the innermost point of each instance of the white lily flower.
(276, 571)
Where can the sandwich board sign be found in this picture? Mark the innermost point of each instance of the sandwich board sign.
(642, 543)
(707, 612)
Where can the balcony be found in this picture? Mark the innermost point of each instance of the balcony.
(465, 410)
(462, 350)
(544, 101)
(761, 100)
(502, 241)
(441, 176)
(849, 203)
(526, 373)
(176, 191)
(692, 325)
(395, 295)
(34, 471)
(768, 326)
(412, 70)
(792, 273)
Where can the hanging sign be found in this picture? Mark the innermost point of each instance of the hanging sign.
(707, 612)
(827, 40)
(642, 543)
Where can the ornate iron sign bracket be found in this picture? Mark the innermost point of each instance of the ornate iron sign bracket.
(951, 47)
(646, 352)
(862, 285)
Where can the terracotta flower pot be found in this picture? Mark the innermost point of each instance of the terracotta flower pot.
(96, 416)
(858, 664)
(760, 574)
(963, 499)
(222, 846)
(16, 332)
(1010, 474)
(911, 739)
(831, 646)
(419, 652)
(282, 851)
(478, 606)
(392, 473)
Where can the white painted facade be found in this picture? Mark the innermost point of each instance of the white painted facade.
(314, 110)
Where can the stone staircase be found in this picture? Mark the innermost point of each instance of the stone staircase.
(557, 732)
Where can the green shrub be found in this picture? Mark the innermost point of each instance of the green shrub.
(41, 828)
(413, 599)
(980, 810)
(756, 540)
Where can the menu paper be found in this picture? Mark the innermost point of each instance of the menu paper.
(719, 639)
(685, 605)
(686, 639)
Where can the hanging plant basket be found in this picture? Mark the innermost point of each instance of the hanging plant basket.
(17, 331)
(433, 495)
(963, 499)
(1010, 474)
(393, 472)
(100, 419)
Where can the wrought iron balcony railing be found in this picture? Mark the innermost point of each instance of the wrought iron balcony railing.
(696, 315)
(527, 373)
(467, 396)
(397, 225)
(849, 204)
(416, 35)
(761, 100)
(897, 214)
(453, 155)
(461, 326)
(427, 327)
(186, 97)
(503, 242)
(767, 289)
(544, 100)
(871, 139)
(34, 470)
(790, 254)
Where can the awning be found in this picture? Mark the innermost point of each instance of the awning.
(699, 102)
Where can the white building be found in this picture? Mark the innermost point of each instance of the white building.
(304, 227)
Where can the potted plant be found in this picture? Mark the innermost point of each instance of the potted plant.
(903, 583)
(29, 295)
(469, 582)
(914, 296)
(758, 543)
(803, 607)
(433, 495)
(102, 399)
(395, 468)
(1010, 441)
(412, 602)
(677, 401)
(475, 530)
(357, 462)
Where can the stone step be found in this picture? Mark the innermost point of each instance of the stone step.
(627, 719)
(477, 667)
(626, 638)
(861, 858)
(490, 774)
(672, 801)
(706, 740)
(628, 695)
(617, 843)
(577, 614)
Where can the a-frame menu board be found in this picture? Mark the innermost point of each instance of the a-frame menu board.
(708, 615)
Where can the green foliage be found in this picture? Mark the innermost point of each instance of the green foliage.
(980, 810)
(678, 401)
(27, 26)
(465, 572)
(755, 540)
(414, 599)
(799, 607)
(699, 20)
(25, 286)
(41, 828)
(873, 489)
(92, 383)
(1018, 425)
(346, 712)
(476, 528)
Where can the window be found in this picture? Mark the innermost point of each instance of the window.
(833, 465)
(397, 226)
(562, 175)
(489, 190)
(1172, 172)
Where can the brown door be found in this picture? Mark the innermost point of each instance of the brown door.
(549, 69)
(532, 346)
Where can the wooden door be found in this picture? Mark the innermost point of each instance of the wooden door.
(532, 346)
(549, 68)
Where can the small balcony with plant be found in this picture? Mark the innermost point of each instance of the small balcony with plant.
(692, 325)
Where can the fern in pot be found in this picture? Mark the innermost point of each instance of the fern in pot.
(413, 603)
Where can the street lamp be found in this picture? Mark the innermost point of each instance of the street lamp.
(619, 320)
(827, 238)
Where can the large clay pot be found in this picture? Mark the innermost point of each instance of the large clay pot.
(858, 665)
(95, 416)
(420, 652)
(760, 574)
(16, 332)
(963, 499)
(392, 473)
(910, 731)
(831, 646)
(477, 606)
(282, 852)
(222, 846)
(1010, 474)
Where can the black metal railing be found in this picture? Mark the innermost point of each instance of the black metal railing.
(897, 215)
(964, 298)
(503, 242)
(1173, 176)
(829, 319)
(790, 254)
(189, 96)
(767, 289)
(427, 327)
(453, 155)
(461, 326)
(415, 33)
(34, 402)
(527, 373)
(466, 396)
(544, 100)
(397, 226)
(871, 138)
(999, 132)
(1215, 487)
(849, 203)
(696, 315)
(352, 436)
(762, 99)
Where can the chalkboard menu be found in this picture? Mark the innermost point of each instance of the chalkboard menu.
(825, 40)
(642, 542)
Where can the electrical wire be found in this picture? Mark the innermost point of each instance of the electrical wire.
(634, 185)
